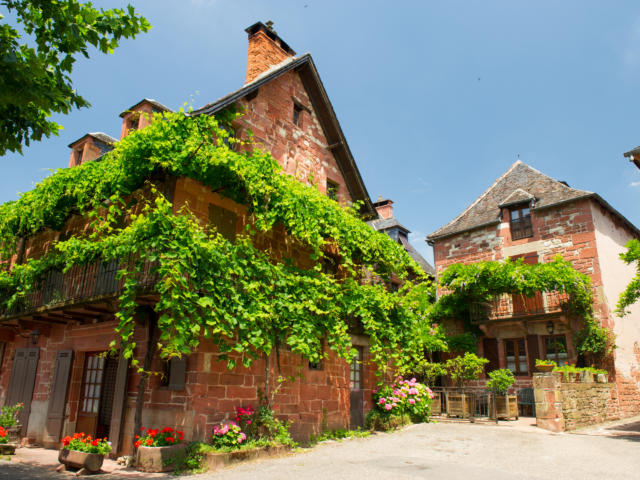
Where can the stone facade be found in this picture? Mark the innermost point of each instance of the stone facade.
(318, 399)
(566, 403)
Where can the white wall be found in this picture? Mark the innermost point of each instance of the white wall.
(616, 275)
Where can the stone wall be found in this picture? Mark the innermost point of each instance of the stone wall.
(577, 401)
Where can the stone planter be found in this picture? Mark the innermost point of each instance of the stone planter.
(214, 460)
(8, 448)
(14, 433)
(601, 378)
(159, 459)
(545, 368)
(92, 462)
(459, 405)
(506, 407)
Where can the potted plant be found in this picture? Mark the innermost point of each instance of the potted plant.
(82, 451)
(545, 365)
(430, 372)
(462, 370)
(6, 448)
(9, 421)
(159, 450)
(502, 405)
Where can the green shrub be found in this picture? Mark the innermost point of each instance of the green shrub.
(465, 368)
(500, 381)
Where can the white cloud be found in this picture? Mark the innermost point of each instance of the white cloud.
(634, 184)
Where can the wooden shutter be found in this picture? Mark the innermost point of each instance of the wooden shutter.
(22, 382)
(119, 404)
(490, 346)
(533, 352)
(58, 396)
(177, 373)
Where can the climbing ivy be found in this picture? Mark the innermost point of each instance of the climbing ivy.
(631, 294)
(246, 300)
(478, 282)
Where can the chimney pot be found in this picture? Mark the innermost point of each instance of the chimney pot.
(266, 49)
(384, 208)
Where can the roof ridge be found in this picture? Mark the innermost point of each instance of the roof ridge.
(564, 185)
(482, 195)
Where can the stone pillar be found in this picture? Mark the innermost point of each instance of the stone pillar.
(548, 396)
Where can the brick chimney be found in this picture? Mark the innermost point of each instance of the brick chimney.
(384, 208)
(140, 115)
(266, 49)
(90, 147)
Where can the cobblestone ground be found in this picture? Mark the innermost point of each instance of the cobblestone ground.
(437, 450)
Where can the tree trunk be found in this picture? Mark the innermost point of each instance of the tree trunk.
(152, 344)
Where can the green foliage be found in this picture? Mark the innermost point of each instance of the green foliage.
(545, 362)
(479, 282)
(465, 368)
(631, 294)
(246, 300)
(567, 370)
(9, 415)
(500, 381)
(425, 370)
(464, 342)
(35, 82)
(382, 421)
(338, 435)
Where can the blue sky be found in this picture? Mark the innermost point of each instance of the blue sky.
(436, 99)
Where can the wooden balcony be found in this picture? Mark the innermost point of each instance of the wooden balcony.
(517, 307)
(83, 292)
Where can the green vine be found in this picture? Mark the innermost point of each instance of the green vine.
(245, 299)
(479, 282)
(631, 294)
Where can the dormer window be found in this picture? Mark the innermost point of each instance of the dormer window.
(520, 221)
(132, 122)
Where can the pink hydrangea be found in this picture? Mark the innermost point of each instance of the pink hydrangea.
(412, 401)
(388, 407)
(382, 400)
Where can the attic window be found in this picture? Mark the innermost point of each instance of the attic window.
(520, 218)
(297, 110)
(77, 156)
(132, 122)
(332, 190)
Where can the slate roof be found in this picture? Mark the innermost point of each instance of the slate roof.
(520, 182)
(386, 224)
(100, 136)
(154, 103)
(336, 140)
(634, 156)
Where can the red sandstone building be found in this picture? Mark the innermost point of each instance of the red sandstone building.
(526, 214)
(51, 346)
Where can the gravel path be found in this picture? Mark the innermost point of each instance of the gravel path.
(454, 451)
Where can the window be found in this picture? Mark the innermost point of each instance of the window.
(516, 354)
(356, 370)
(93, 369)
(132, 122)
(297, 110)
(225, 221)
(520, 223)
(315, 365)
(555, 348)
(77, 156)
(332, 190)
(175, 371)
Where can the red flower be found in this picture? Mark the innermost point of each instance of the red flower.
(136, 444)
(95, 443)
(137, 436)
(170, 439)
(149, 441)
(180, 435)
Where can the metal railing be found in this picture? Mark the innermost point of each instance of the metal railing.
(506, 306)
(476, 403)
(79, 284)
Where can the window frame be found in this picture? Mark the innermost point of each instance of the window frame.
(332, 189)
(555, 357)
(517, 354)
(522, 227)
(297, 114)
(357, 367)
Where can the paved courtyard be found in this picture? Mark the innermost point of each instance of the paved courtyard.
(437, 450)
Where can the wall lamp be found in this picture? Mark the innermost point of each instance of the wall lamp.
(550, 327)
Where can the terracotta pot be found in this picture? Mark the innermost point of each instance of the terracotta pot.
(545, 368)
(159, 459)
(89, 461)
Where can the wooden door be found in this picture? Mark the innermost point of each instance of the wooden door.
(22, 382)
(58, 396)
(92, 381)
(356, 394)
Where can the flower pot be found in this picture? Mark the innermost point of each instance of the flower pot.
(506, 407)
(7, 448)
(159, 459)
(92, 462)
(14, 433)
(459, 405)
(436, 404)
(545, 368)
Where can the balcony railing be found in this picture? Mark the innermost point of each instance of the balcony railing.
(506, 306)
(81, 283)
